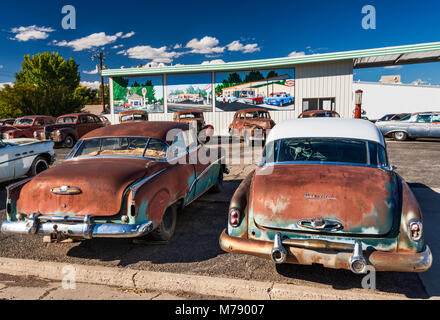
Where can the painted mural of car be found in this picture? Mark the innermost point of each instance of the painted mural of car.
(121, 181)
(416, 125)
(254, 100)
(279, 99)
(21, 157)
(326, 194)
(226, 99)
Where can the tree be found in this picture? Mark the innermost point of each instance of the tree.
(272, 74)
(253, 76)
(46, 85)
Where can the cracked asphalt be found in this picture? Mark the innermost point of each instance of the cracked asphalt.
(194, 249)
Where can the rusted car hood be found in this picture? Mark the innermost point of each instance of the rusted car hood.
(102, 182)
(364, 200)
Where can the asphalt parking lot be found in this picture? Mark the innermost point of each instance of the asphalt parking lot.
(195, 250)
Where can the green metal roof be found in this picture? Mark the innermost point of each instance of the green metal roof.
(418, 53)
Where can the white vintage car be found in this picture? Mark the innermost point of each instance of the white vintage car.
(20, 157)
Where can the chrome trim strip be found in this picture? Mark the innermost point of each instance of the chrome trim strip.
(135, 187)
(203, 173)
(350, 164)
(16, 185)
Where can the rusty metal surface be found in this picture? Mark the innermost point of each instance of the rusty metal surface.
(364, 200)
(153, 129)
(27, 131)
(314, 113)
(239, 126)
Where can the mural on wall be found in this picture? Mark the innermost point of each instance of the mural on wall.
(189, 92)
(138, 93)
(268, 89)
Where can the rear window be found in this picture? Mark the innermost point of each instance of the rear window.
(67, 120)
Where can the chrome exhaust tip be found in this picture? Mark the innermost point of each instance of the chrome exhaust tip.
(278, 254)
(358, 264)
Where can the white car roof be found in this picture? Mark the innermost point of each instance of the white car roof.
(327, 128)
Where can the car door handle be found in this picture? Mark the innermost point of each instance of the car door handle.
(24, 153)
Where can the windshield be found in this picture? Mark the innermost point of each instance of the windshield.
(134, 117)
(405, 118)
(24, 122)
(326, 150)
(67, 120)
(123, 146)
(257, 115)
(190, 115)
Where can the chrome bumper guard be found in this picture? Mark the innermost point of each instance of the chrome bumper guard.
(76, 227)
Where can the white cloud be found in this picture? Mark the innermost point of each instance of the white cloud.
(393, 67)
(149, 53)
(2, 85)
(96, 71)
(296, 54)
(217, 61)
(177, 46)
(1, 66)
(117, 46)
(31, 33)
(90, 84)
(205, 46)
(128, 35)
(238, 46)
(92, 41)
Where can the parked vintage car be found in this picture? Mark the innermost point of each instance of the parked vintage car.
(326, 194)
(25, 127)
(189, 116)
(319, 114)
(392, 116)
(121, 181)
(279, 99)
(416, 125)
(7, 122)
(20, 157)
(251, 124)
(70, 128)
(226, 99)
(133, 115)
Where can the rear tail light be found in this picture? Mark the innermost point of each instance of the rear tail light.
(415, 230)
(234, 217)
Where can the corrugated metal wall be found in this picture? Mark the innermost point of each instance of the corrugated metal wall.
(325, 80)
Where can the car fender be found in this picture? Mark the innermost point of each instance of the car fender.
(239, 201)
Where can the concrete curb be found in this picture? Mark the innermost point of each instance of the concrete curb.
(170, 282)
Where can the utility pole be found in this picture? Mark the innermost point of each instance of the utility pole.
(100, 56)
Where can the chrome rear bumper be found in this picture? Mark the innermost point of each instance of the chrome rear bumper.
(76, 227)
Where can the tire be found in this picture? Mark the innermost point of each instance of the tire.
(69, 142)
(39, 165)
(400, 136)
(281, 103)
(167, 227)
(218, 186)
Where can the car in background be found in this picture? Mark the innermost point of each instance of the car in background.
(250, 99)
(416, 125)
(279, 99)
(20, 157)
(319, 114)
(133, 115)
(70, 128)
(251, 125)
(7, 122)
(190, 116)
(326, 194)
(105, 120)
(391, 117)
(25, 127)
(121, 181)
(226, 99)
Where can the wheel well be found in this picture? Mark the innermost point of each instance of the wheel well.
(46, 156)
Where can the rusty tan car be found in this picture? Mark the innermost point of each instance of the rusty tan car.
(205, 131)
(121, 181)
(251, 125)
(133, 115)
(326, 194)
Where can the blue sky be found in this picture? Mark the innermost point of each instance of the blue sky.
(189, 32)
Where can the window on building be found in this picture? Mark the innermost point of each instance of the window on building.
(328, 104)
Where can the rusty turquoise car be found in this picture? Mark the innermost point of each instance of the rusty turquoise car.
(326, 194)
(121, 181)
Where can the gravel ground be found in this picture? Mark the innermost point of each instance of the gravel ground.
(194, 248)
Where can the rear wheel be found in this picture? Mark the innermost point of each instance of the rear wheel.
(400, 136)
(69, 142)
(281, 103)
(167, 227)
(39, 165)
